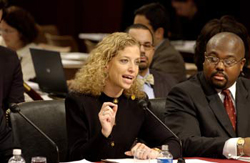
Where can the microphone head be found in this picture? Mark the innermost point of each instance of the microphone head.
(14, 107)
(142, 103)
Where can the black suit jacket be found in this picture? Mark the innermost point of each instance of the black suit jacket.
(11, 78)
(163, 82)
(196, 114)
(85, 139)
(168, 60)
(6, 140)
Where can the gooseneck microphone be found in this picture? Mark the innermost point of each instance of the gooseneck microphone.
(144, 105)
(16, 109)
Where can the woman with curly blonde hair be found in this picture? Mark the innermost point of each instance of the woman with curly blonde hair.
(103, 116)
(91, 78)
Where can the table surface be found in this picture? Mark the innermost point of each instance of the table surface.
(216, 160)
(213, 160)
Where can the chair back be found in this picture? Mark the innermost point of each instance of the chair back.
(158, 107)
(90, 45)
(51, 29)
(49, 116)
(42, 30)
(63, 41)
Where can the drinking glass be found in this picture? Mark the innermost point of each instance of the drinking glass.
(38, 159)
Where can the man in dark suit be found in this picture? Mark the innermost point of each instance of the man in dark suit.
(155, 84)
(166, 58)
(210, 112)
(11, 90)
(11, 79)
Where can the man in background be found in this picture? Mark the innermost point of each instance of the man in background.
(193, 17)
(166, 58)
(155, 84)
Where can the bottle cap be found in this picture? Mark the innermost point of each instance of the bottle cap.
(17, 151)
(164, 147)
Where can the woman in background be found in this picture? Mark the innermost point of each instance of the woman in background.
(19, 30)
(102, 111)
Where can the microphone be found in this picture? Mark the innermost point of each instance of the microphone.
(16, 109)
(144, 105)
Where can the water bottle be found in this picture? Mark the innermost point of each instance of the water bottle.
(17, 157)
(165, 155)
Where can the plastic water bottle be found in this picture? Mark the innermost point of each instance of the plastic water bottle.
(17, 157)
(165, 155)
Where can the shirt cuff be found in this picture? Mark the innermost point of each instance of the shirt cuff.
(230, 148)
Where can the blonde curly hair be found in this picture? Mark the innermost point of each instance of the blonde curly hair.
(91, 78)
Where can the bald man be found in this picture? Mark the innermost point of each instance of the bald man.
(210, 112)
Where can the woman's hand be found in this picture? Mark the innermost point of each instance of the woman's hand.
(141, 151)
(107, 117)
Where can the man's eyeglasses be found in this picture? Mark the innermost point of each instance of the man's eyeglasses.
(228, 62)
(147, 46)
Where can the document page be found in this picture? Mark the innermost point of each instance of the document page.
(129, 160)
(80, 161)
(247, 159)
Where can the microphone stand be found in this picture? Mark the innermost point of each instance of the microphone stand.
(15, 109)
(144, 104)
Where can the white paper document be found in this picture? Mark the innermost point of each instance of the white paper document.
(80, 161)
(247, 159)
(129, 160)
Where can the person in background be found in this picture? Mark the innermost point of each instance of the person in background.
(210, 112)
(11, 91)
(103, 116)
(19, 30)
(166, 58)
(155, 84)
(192, 17)
(224, 24)
(11, 77)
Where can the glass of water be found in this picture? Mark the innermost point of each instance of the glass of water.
(38, 159)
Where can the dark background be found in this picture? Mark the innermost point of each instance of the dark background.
(105, 16)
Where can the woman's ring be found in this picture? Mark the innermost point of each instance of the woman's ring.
(103, 113)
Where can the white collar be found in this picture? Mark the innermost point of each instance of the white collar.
(232, 90)
(145, 75)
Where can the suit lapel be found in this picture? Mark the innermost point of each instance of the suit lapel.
(242, 109)
(219, 111)
(217, 106)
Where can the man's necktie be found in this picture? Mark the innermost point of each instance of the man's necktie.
(229, 106)
(149, 79)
